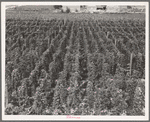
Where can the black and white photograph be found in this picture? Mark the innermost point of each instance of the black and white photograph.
(75, 60)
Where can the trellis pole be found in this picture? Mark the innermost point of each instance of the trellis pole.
(131, 57)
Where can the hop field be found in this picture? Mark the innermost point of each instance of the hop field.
(75, 67)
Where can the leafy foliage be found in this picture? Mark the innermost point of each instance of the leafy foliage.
(65, 67)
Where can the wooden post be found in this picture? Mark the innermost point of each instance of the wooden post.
(107, 34)
(131, 57)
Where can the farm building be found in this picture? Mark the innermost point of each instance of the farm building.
(101, 7)
(96, 9)
(93, 9)
(84, 9)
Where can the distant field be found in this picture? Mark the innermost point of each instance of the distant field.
(71, 16)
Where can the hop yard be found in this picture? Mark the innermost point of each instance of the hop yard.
(89, 63)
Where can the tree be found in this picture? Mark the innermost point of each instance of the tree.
(57, 6)
(76, 10)
(129, 7)
(68, 10)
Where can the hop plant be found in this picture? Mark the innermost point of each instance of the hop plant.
(139, 99)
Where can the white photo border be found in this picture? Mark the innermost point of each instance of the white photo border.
(64, 117)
